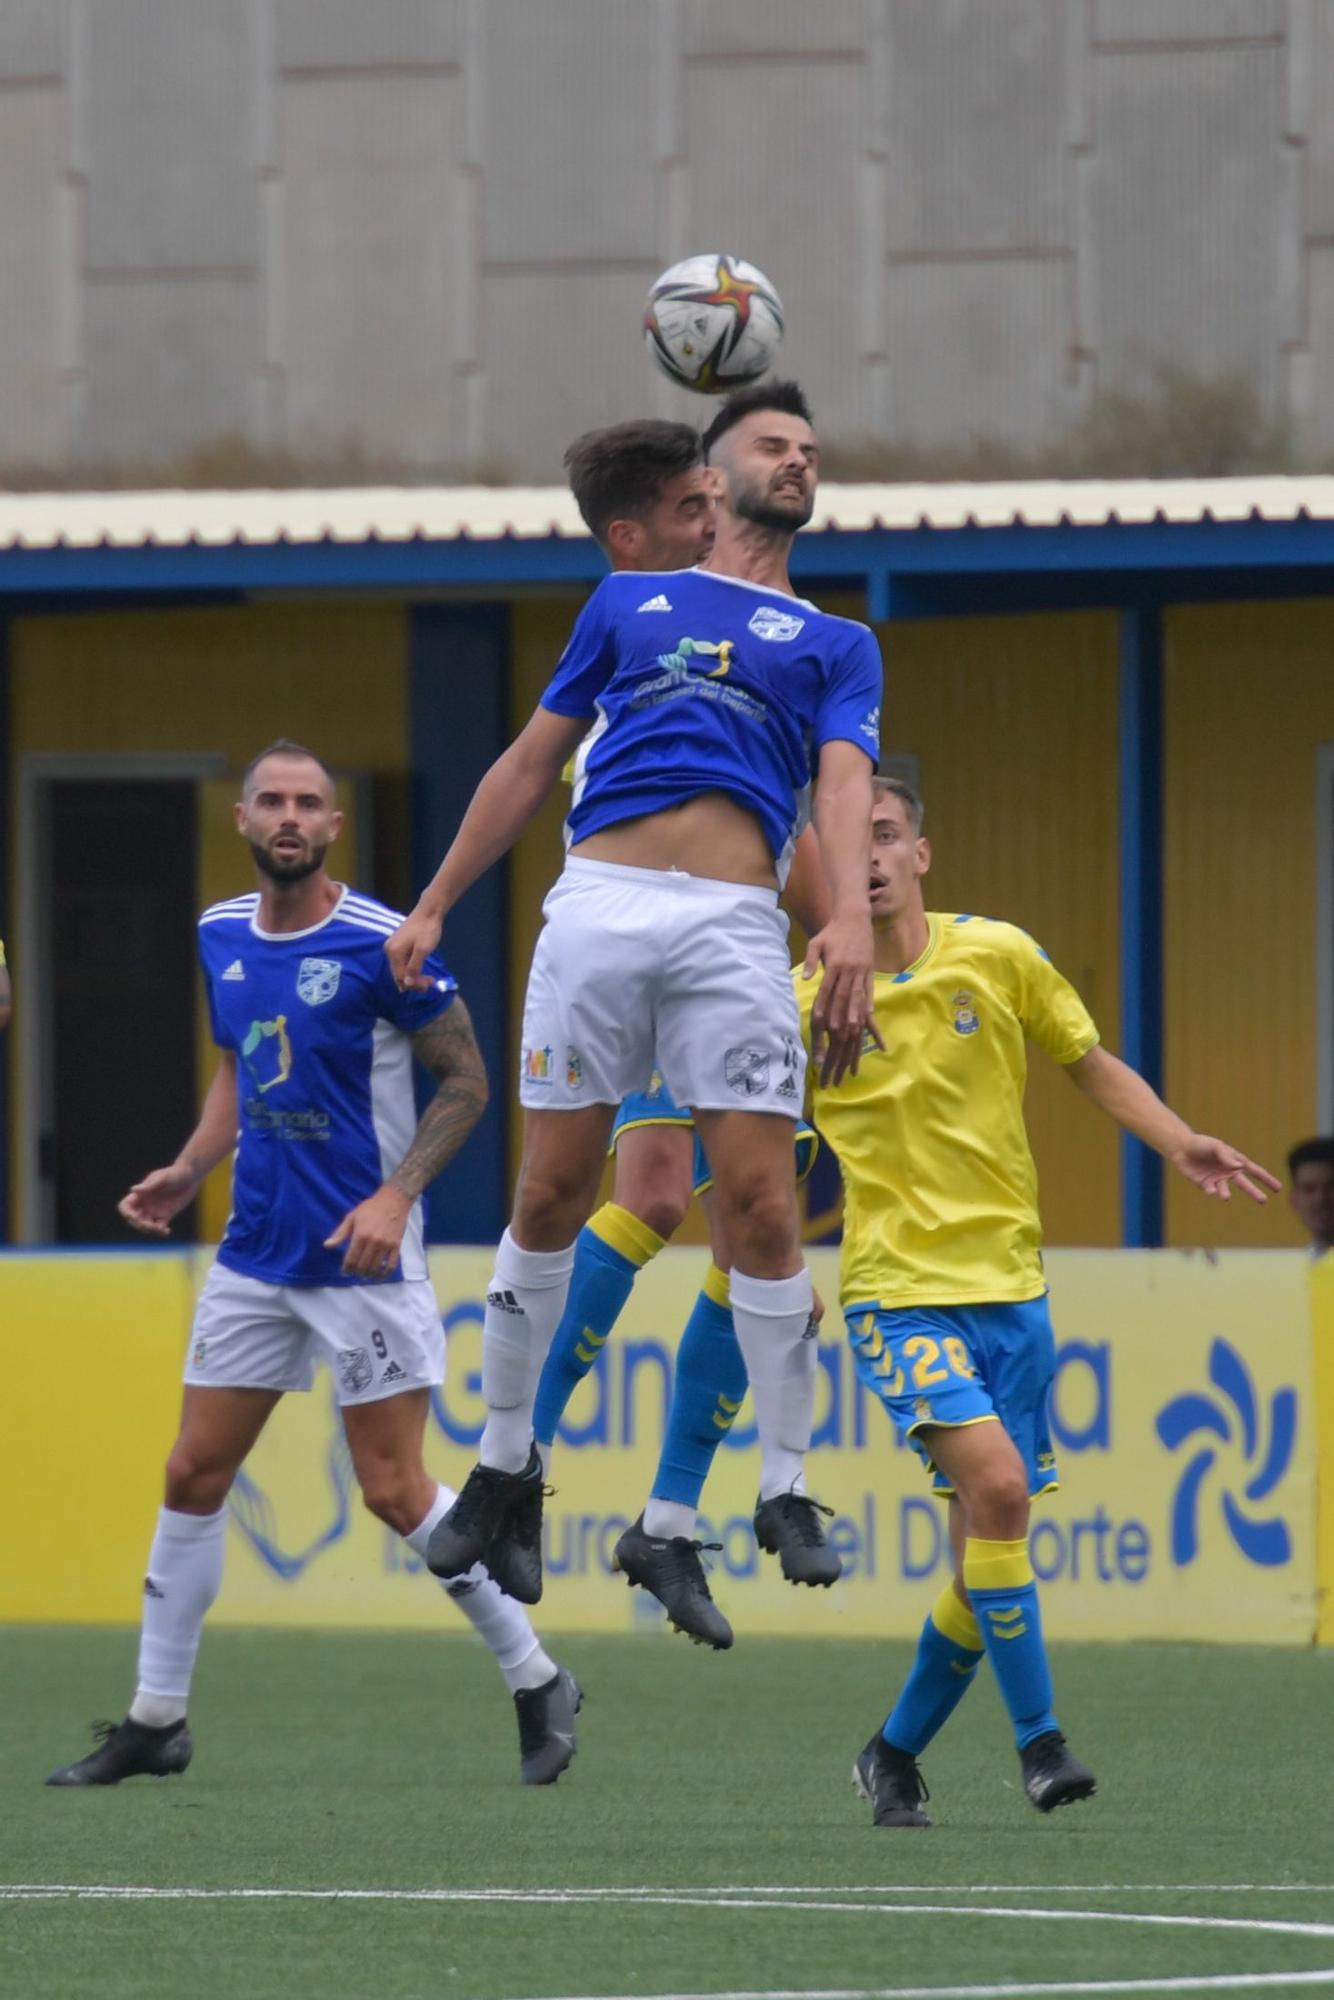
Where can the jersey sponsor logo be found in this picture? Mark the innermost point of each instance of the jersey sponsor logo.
(317, 980)
(355, 1371)
(537, 1065)
(966, 1021)
(686, 672)
(267, 1053)
(658, 603)
(746, 1071)
(235, 970)
(779, 627)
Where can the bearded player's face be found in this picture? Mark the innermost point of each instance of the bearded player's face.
(770, 464)
(288, 817)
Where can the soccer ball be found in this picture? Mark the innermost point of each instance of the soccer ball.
(713, 323)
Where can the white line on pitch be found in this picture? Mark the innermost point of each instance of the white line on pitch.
(1204, 1983)
(683, 1899)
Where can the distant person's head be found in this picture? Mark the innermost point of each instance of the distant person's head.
(763, 443)
(288, 811)
(1311, 1175)
(644, 493)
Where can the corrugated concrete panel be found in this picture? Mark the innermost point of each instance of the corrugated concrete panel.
(980, 350)
(1186, 20)
(34, 38)
(32, 406)
(800, 226)
(1320, 131)
(1317, 434)
(1186, 216)
(349, 34)
(977, 124)
(366, 262)
(169, 102)
(167, 364)
(569, 131)
(541, 385)
(767, 26)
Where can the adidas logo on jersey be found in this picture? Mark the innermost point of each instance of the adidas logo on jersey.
(658, 603)
(235, 970)
(504, 1302)
(393, 1373)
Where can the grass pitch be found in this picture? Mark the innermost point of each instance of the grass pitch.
(705, 1842)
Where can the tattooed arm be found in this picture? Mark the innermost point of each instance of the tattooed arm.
(372, 1233)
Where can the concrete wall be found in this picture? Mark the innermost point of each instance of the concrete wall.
(425, 228)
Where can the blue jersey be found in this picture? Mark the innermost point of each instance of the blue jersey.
(697, 683)
(323, 1080)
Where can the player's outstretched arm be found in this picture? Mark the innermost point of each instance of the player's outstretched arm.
(153, 1203)
(1210, 1163)
(504, 802)
(845, 1003)
(373, 1231)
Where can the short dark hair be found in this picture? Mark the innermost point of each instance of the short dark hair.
(784, 396)
(283, 746)
(883, 787)
(619, 472)
(1311, 1153)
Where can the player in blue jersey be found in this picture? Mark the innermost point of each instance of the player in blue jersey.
(710, 700)
(322, 1255)
(646, 496)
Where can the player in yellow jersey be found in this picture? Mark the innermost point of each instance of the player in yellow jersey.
(941, 1278)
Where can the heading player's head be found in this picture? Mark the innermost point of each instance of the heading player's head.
(288, 811)
(644, 493)
(900, 853)
(1311, 1172)
(763, 444)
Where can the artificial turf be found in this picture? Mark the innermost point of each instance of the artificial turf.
(360, 1762)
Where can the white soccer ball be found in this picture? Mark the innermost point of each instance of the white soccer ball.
(713, 323)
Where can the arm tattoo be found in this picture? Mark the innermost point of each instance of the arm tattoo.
(448, 1048)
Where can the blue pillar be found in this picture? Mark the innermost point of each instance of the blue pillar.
(458, 667)
(8, 793)
(1141, 730)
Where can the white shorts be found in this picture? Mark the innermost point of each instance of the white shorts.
(379, 1340)
(638, 969)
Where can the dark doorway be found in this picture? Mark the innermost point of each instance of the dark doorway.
(122, 858)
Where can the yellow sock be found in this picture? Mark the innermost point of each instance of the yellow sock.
(625, 1234)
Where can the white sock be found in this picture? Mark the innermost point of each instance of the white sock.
(184, 1577)
(773, 1318)
(502, 1623)
(524, 1304)
(669, 1518)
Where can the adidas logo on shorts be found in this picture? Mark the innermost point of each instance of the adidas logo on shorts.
(504, 1302)
(393, 1373)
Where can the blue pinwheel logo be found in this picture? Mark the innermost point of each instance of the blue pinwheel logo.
(1232, 1417)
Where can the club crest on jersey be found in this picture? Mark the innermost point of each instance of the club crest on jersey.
(965, 1014)
(778, 626)
(317, 980)
(746, 1071)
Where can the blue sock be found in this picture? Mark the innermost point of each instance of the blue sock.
(998, 1577)
(709, 1389)
(948, 1655)
(612, 1250)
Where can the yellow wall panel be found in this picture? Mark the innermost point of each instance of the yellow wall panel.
(1249, 698)
(1014, 721)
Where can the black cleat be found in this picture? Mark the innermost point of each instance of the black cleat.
(129, 1750)
(496, 1520)
(546, 1727)
(670, 1570)
(788, 1526)
(891, 1781)
(1053, 1775)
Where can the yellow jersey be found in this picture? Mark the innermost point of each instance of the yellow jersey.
(939, 1178)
